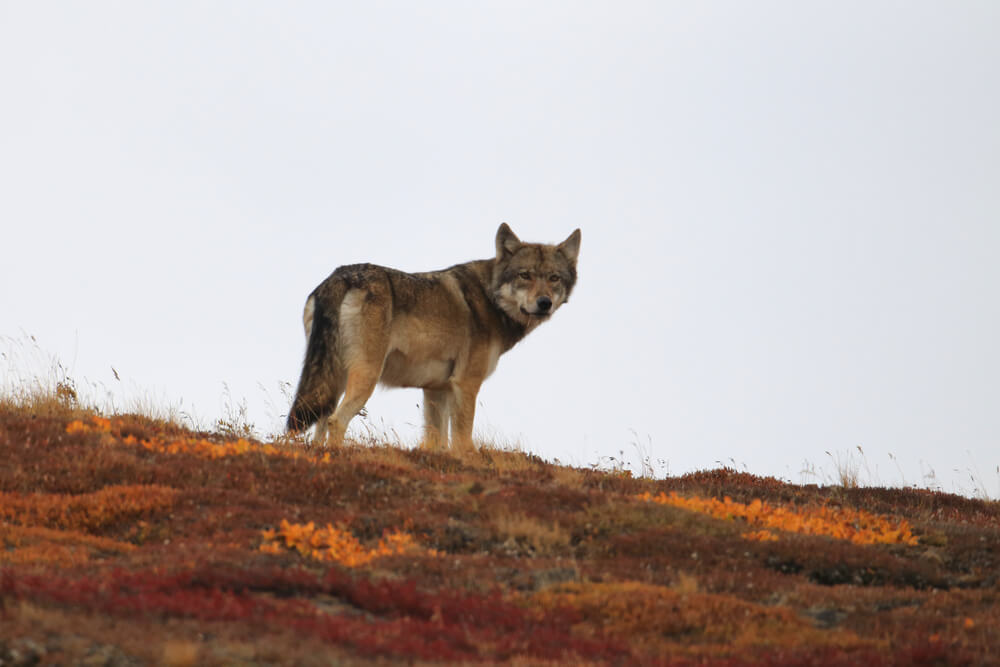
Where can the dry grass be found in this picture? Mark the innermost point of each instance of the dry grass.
(35, 382)
(685, 584)
(848, 467)
(532, 536)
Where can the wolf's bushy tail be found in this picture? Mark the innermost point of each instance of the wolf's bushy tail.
(322, 372)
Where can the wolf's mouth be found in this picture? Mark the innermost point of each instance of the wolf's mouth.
(538, 315)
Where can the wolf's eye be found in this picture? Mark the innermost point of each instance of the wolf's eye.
(554, 278)
(524, 275)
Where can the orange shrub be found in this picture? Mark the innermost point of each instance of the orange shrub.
(337, 545)
(86, 511)
(187, 445)
(44, 546)
(843, 523)
(100, 425)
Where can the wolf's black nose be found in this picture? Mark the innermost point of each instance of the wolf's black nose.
(544, 303)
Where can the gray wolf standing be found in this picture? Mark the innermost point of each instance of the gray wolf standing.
(441, 331)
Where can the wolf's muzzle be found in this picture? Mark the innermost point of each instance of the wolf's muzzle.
(544, 304)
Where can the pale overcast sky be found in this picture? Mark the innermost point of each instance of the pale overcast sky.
(790, 211)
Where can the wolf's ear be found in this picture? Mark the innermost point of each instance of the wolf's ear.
(507, 241)
(571, 246)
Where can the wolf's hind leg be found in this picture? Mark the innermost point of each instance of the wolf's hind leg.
(437, 408)
(361, 381)
(320, 436)
(364, 344)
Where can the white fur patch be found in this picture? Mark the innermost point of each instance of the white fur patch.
(307, 316)
(350, 326)
(512, 301)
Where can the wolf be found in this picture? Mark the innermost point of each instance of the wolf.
(440, 331)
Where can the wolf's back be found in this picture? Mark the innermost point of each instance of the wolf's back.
(321, 382)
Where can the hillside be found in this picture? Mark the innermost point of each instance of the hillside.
(127, 541)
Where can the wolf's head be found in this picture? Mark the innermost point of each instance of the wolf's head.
(531, 280)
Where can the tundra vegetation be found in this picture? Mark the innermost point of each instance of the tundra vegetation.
(130, 539)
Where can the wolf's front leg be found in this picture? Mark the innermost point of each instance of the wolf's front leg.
(437, 409)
